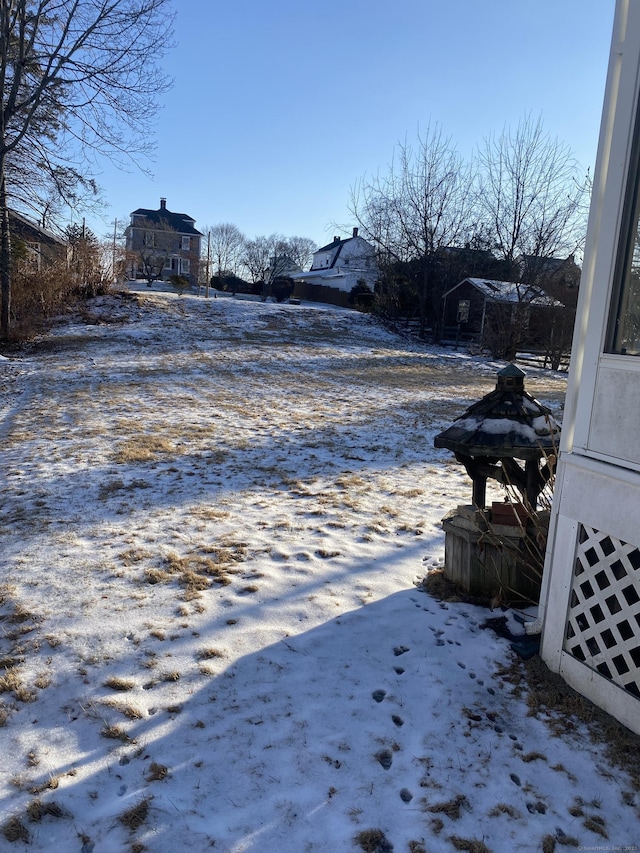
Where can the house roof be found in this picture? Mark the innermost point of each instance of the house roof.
(337, 242)
(180, 222)
(34, 227)
(508, 291)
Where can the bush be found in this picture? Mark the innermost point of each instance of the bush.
(179, 282)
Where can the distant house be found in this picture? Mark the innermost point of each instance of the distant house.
(336, 269)
(33, 246)
(161, 244)
(480, 309)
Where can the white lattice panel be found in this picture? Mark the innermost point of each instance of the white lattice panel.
(603, 624)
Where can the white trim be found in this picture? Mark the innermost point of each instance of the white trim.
(594, 487)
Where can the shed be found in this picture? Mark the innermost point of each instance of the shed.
(488, 311)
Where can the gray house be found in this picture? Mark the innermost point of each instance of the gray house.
(161, 244)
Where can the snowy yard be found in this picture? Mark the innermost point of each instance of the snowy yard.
(216, 516)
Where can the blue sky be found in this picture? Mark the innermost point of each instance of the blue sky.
(279, 107)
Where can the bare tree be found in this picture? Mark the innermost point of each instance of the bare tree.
(423, 204)
(300, 250)
(151, 246)
(77, 78)
(225, 245)
(531, 198)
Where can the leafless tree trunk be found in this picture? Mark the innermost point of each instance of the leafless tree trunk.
(423, 204)
(76, 76)
(226, 242)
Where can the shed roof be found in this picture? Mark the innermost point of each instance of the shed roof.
(508, 291)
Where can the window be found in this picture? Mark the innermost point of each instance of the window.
(624, 323)
(186, 265)
(186, 244)
(464, 305)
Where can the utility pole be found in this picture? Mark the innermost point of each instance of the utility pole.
(208, 261)
(113, 258)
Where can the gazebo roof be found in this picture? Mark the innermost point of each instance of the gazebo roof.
(507, 423)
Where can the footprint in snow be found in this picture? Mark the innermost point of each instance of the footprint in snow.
(397, 720)
(378, 695)
(400, 650)
(385, 758)
(405, 795)
(399, 670)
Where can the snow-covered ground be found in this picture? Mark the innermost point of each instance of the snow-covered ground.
(215, 518)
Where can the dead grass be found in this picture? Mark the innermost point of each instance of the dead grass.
(36, 810)
(157, 772)
(472, 845)
(134, 817)
(450, 808)
(596, 824)
(128, 711)
(373, 841)
(14, 830)
(504, 808)
(144, 448)
(208, 654)
(551, 699)
(113, 732)
(117, 682)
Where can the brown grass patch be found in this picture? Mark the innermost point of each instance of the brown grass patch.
(134, 817)
(208, 654)
(373, 841)
(596, 824)
(115, 733)
(117, 682)
(11, 682)
(504, 808)
(37, 810)
(144, 448)
(157, 772)
(451, 808)
(472, 845)
(533, 756)
(14, 830)
(154, 576)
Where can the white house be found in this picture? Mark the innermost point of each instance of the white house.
(590, 601)
(342, 264)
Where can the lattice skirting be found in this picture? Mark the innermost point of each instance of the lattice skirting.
(603, 624)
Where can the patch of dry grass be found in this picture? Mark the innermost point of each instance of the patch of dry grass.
(472, 845)
(451, 808)
(113, 732)
(504, 808)
(134, 817)
(208, 654)
(14, 830)
(118, 682)
(143, 448)
(157, 772)
(373, 841)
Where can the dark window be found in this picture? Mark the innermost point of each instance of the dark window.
(624, 322)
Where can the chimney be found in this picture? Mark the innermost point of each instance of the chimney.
(336, 239)
(355, 232)
(163, 204)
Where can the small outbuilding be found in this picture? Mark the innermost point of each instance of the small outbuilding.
(497, 314)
